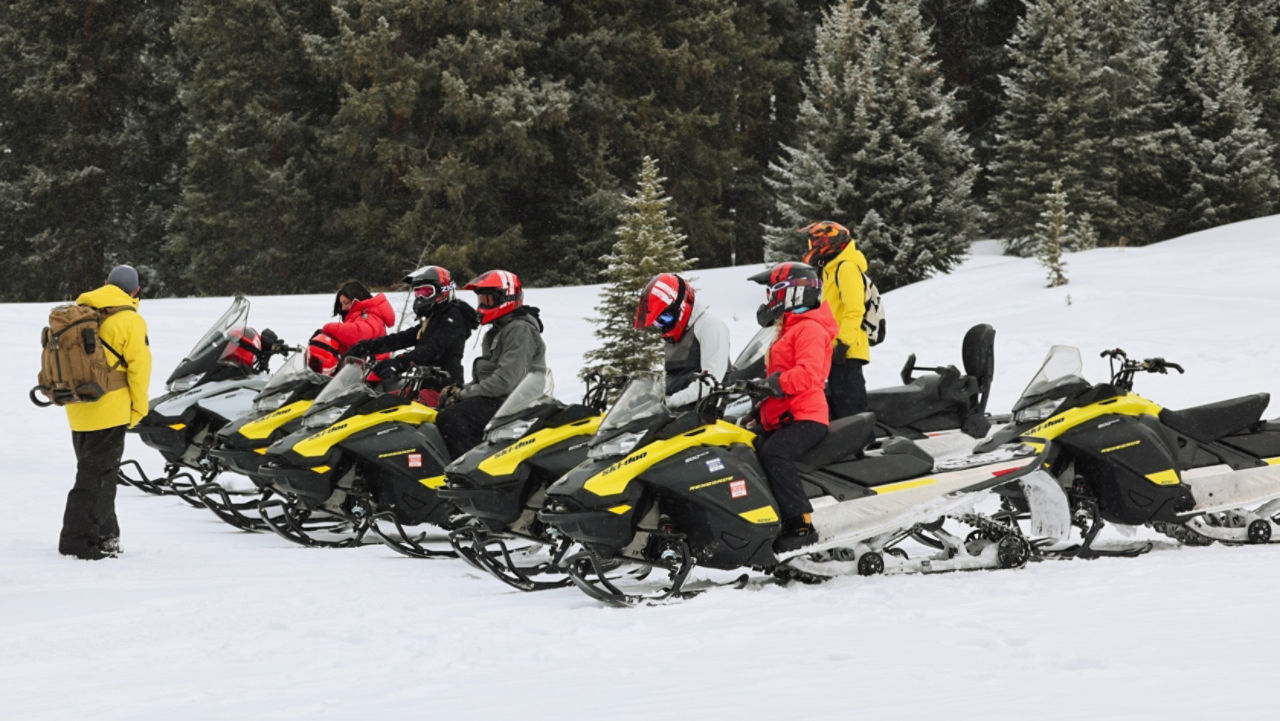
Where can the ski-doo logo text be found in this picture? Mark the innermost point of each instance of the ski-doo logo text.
(514, 447)
(624, 463)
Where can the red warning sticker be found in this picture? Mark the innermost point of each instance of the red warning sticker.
(738, 488)
(415, 460)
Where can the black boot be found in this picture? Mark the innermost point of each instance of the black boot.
(796, 534)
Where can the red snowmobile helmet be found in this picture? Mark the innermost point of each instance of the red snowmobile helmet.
(794, 287)
(432, 286)
(243, 349)
(323, 354)
(498, 293)
(826, 239)
(666, 303)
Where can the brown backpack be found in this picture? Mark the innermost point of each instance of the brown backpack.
(74, 367)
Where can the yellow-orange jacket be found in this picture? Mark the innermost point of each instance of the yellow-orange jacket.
(126, 332)
(843, 290)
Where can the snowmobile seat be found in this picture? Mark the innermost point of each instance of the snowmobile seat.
(846, 438)
(1213, 421)
(978, 353)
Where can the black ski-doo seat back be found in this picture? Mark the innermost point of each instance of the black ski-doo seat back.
(978, 353)
(1214, 421)
(846, 438)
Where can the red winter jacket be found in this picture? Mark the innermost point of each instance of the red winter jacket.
(801, 356)
(365, 319)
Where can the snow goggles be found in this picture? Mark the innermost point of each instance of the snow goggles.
(666, 320)
(795, 283)
(427, 291)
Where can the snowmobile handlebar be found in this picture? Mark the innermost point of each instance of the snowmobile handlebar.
(601, 383)
(1122, 377)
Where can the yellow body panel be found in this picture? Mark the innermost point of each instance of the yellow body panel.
(318, 444)
(1164, 478)
(263, 427)
(614, 479)
(505, 461)
(432, 482)
(763, 514)
(1126, 405)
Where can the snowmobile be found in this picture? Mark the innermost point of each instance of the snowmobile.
(361, 455)
(669, 492)
(926, 408)
(532, 440)
(241, 445)
(215, 382)
(1200, 474)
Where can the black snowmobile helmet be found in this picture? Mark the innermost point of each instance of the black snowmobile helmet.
(124, 277)
(432, 286)
(790, 286)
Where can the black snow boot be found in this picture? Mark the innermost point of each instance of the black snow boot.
(796, 534)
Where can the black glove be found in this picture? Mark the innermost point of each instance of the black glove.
(361, 349)
(840, 353)
(773, 384)
(389, 368)
(449, 395)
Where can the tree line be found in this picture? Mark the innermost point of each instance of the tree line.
(281, 146)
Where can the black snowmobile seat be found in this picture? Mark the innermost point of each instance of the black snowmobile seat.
(1213, 421)
(978, 353)
(846, 438)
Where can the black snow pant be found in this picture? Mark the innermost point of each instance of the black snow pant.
(778, 454)
(90, 516)
(462, 424)
(846, 388)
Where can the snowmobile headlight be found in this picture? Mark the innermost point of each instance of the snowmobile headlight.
(510, 431)
(619, 445)
(323, 418)
(184, 383)
(1037, 412)
(270, 403)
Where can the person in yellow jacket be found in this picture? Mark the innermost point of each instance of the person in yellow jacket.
(831, 249)
(90, 529)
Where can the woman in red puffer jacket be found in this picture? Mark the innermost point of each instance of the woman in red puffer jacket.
(795, 415)
(363, 314)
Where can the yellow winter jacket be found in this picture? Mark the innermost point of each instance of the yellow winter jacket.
(126, 332)
(843, 290)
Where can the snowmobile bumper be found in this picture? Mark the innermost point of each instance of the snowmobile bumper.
(312, 483)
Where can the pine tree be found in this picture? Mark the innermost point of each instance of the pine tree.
(1133, 125)
(647, 244)
(1223, 153)
(878, 135)
(1055, 103)
(441, 134)
(1053, 234)
(90, 143)
(255, 202)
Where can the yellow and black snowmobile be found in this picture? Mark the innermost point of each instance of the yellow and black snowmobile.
(215, 382)
(360, 453)
(1200, 474)
(532, 440)
(676, 491)
(241, 445)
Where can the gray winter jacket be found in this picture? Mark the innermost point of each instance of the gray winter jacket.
(512, 347)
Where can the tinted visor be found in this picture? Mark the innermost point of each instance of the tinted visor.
(424, 291)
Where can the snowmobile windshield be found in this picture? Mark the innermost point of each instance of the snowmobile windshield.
(755, 348)
(536, 389)
(642, 398)
(345, 389)
(750, 362)
(1061, 374)
(204, 356)
(292, 375)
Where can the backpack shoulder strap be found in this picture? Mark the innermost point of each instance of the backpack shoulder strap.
(103, 314)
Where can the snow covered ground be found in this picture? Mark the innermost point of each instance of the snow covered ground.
(199, 621)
